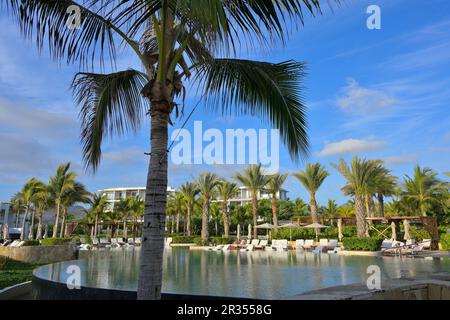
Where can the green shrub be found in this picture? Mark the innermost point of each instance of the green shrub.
(183, 239)
(219, 240)
(349, 231)
(445, 241)
(419, 234)
(199, 241)
(363, 244)
(3, 262)
(443, 229)
(28, 243)
(300, 233)
(55, 241)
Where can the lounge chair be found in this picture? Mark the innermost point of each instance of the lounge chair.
(137, 241)
(332, 244)
(120, 241)
(226, 247)
(279, 245)
(426, 243)
(95, 242)
(6, 243)
(255, 242)
(234, 245)
(262, 245)
(104, 242)
(249, 247)
(323, 243)
(299, 243)
(395, 248)
(130, 241)
(115, 243)
(309, 244)
(410, 242)
(168, 241)
(219, 247)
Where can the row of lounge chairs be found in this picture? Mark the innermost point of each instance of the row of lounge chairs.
(393, 247)
(105, 242)
(15, 243)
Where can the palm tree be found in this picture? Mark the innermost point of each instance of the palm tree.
(207, 184)
(331, 209)
(77, 194)
(274, 185)
(177, 41)
(385, 186)
(136, 207)
(254, 179)
(312, 178)
(98, 204)
(189, 191)
(360, 175)
(178, 203)
(122, 208)
(60, 184)
(424, 189)
(17, 207)
(28, 194)
(43, 201)
(226, 190)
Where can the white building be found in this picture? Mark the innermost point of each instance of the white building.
(244, 196)
(114, 195)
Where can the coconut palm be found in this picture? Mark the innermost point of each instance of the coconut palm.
(122, 209)
(174, 41)
(60, 184)
(254, 179)
(274, 185)
(189, 191)
(17, 207)
(360, 176)
(331, 209)
(207, 184)
(98, 204)
(43, 201)
(312, 178)
(424, 190)
(78, 194)
(28, 194)
(385, 186)
(225, 191)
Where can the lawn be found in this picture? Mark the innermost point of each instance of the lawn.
(14, 272)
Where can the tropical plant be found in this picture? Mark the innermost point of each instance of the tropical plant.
(312, 178)
(331, 209)
(424, 190)
(76, 195)
(178, 201)
(225, 191)
(385, 185)
(189, 191)
(207, 184)
(122, 209)
(43, 201)
(273, 186)
(346, 210)
(359, 175)
(177, 41)
(98, 204)
(28, 195)
(254, 179)
(60, 184)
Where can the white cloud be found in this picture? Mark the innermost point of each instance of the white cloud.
(125, 155)
(351, 146)
(402, 159)
(359, 100)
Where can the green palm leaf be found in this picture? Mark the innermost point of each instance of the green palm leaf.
(109, 103)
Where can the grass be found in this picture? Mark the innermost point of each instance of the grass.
(15, 272)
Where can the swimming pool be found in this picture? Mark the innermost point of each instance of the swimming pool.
(257, 274)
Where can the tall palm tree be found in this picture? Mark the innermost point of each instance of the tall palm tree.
(17, 207)
(424, 189)
(331, 208)
(207, 184)
(43, 201)
(78, 194)
(28, 194)
(122, 208)
(174, 41)
(178, 203)
(385, 186)
(312, 178)
(189, 191)
(359, 175)
(98, 204)
(274, 185)
(136, 207)
(226, 190)
(60, 184)
(254, 179)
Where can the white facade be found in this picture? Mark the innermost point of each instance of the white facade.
(114, 195)
(244, 196)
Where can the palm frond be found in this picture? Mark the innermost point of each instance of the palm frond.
(110, 103)
(271, 91)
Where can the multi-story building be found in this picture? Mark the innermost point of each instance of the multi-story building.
(114, 195)
(244, 196)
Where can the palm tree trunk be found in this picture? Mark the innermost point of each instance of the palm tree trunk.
(17, 219)
(313, 205)
(22, 232)
(96, 225)
(274, 210)
(205, 219)
(31, 232)
(188, 219)
(39, 228)
(172, 224)
(150, 273)
(226, 226)
(125, 228)
(381, 204)
(55, 227)
(360, 216)
(255, 214)
(63, 223)
(178, 222)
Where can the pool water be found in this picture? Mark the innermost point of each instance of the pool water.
(257, 274)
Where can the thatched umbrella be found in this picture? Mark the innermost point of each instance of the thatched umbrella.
(316, 226)
(339, 226)
(249, 232)
(266, 226)
(289, 226)
(394, 231)
(406, 228)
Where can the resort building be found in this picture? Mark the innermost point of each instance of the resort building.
(244, 196)
(114, 195)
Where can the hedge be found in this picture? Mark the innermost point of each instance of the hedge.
(183, 239)
(363, 244)
(445, 241)
(219, 240)
(28, 243)
(55, 241)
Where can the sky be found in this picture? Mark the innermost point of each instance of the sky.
(379, 94)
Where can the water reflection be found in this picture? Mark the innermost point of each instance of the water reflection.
(258, 274)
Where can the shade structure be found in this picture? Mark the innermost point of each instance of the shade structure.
(249, 232)
(316, 226)
(265, 226)
(339, 225)
(238, 232)
(289, 226)
(406, 229)
(394, 231)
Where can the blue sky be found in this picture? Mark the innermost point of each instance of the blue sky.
(381, 94)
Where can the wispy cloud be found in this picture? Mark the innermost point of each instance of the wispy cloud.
(351, 146)
(400, 159)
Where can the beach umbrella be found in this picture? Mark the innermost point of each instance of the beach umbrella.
(289, 226)
(266, 226)
(5, 232)
(339, 225)
(406, 227)
(249, 232)
(394, 232)
(316, 226)
(238, 232)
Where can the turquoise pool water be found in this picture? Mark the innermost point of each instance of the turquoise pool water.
(258, 274)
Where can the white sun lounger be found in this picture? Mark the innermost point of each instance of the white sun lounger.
(299, 243)
(323, 243)
(226, 247)
(426, 243)
(309, 244)
(262, 244)
(280, 245)
(255, 242)
(137, 241)
(332, 244)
